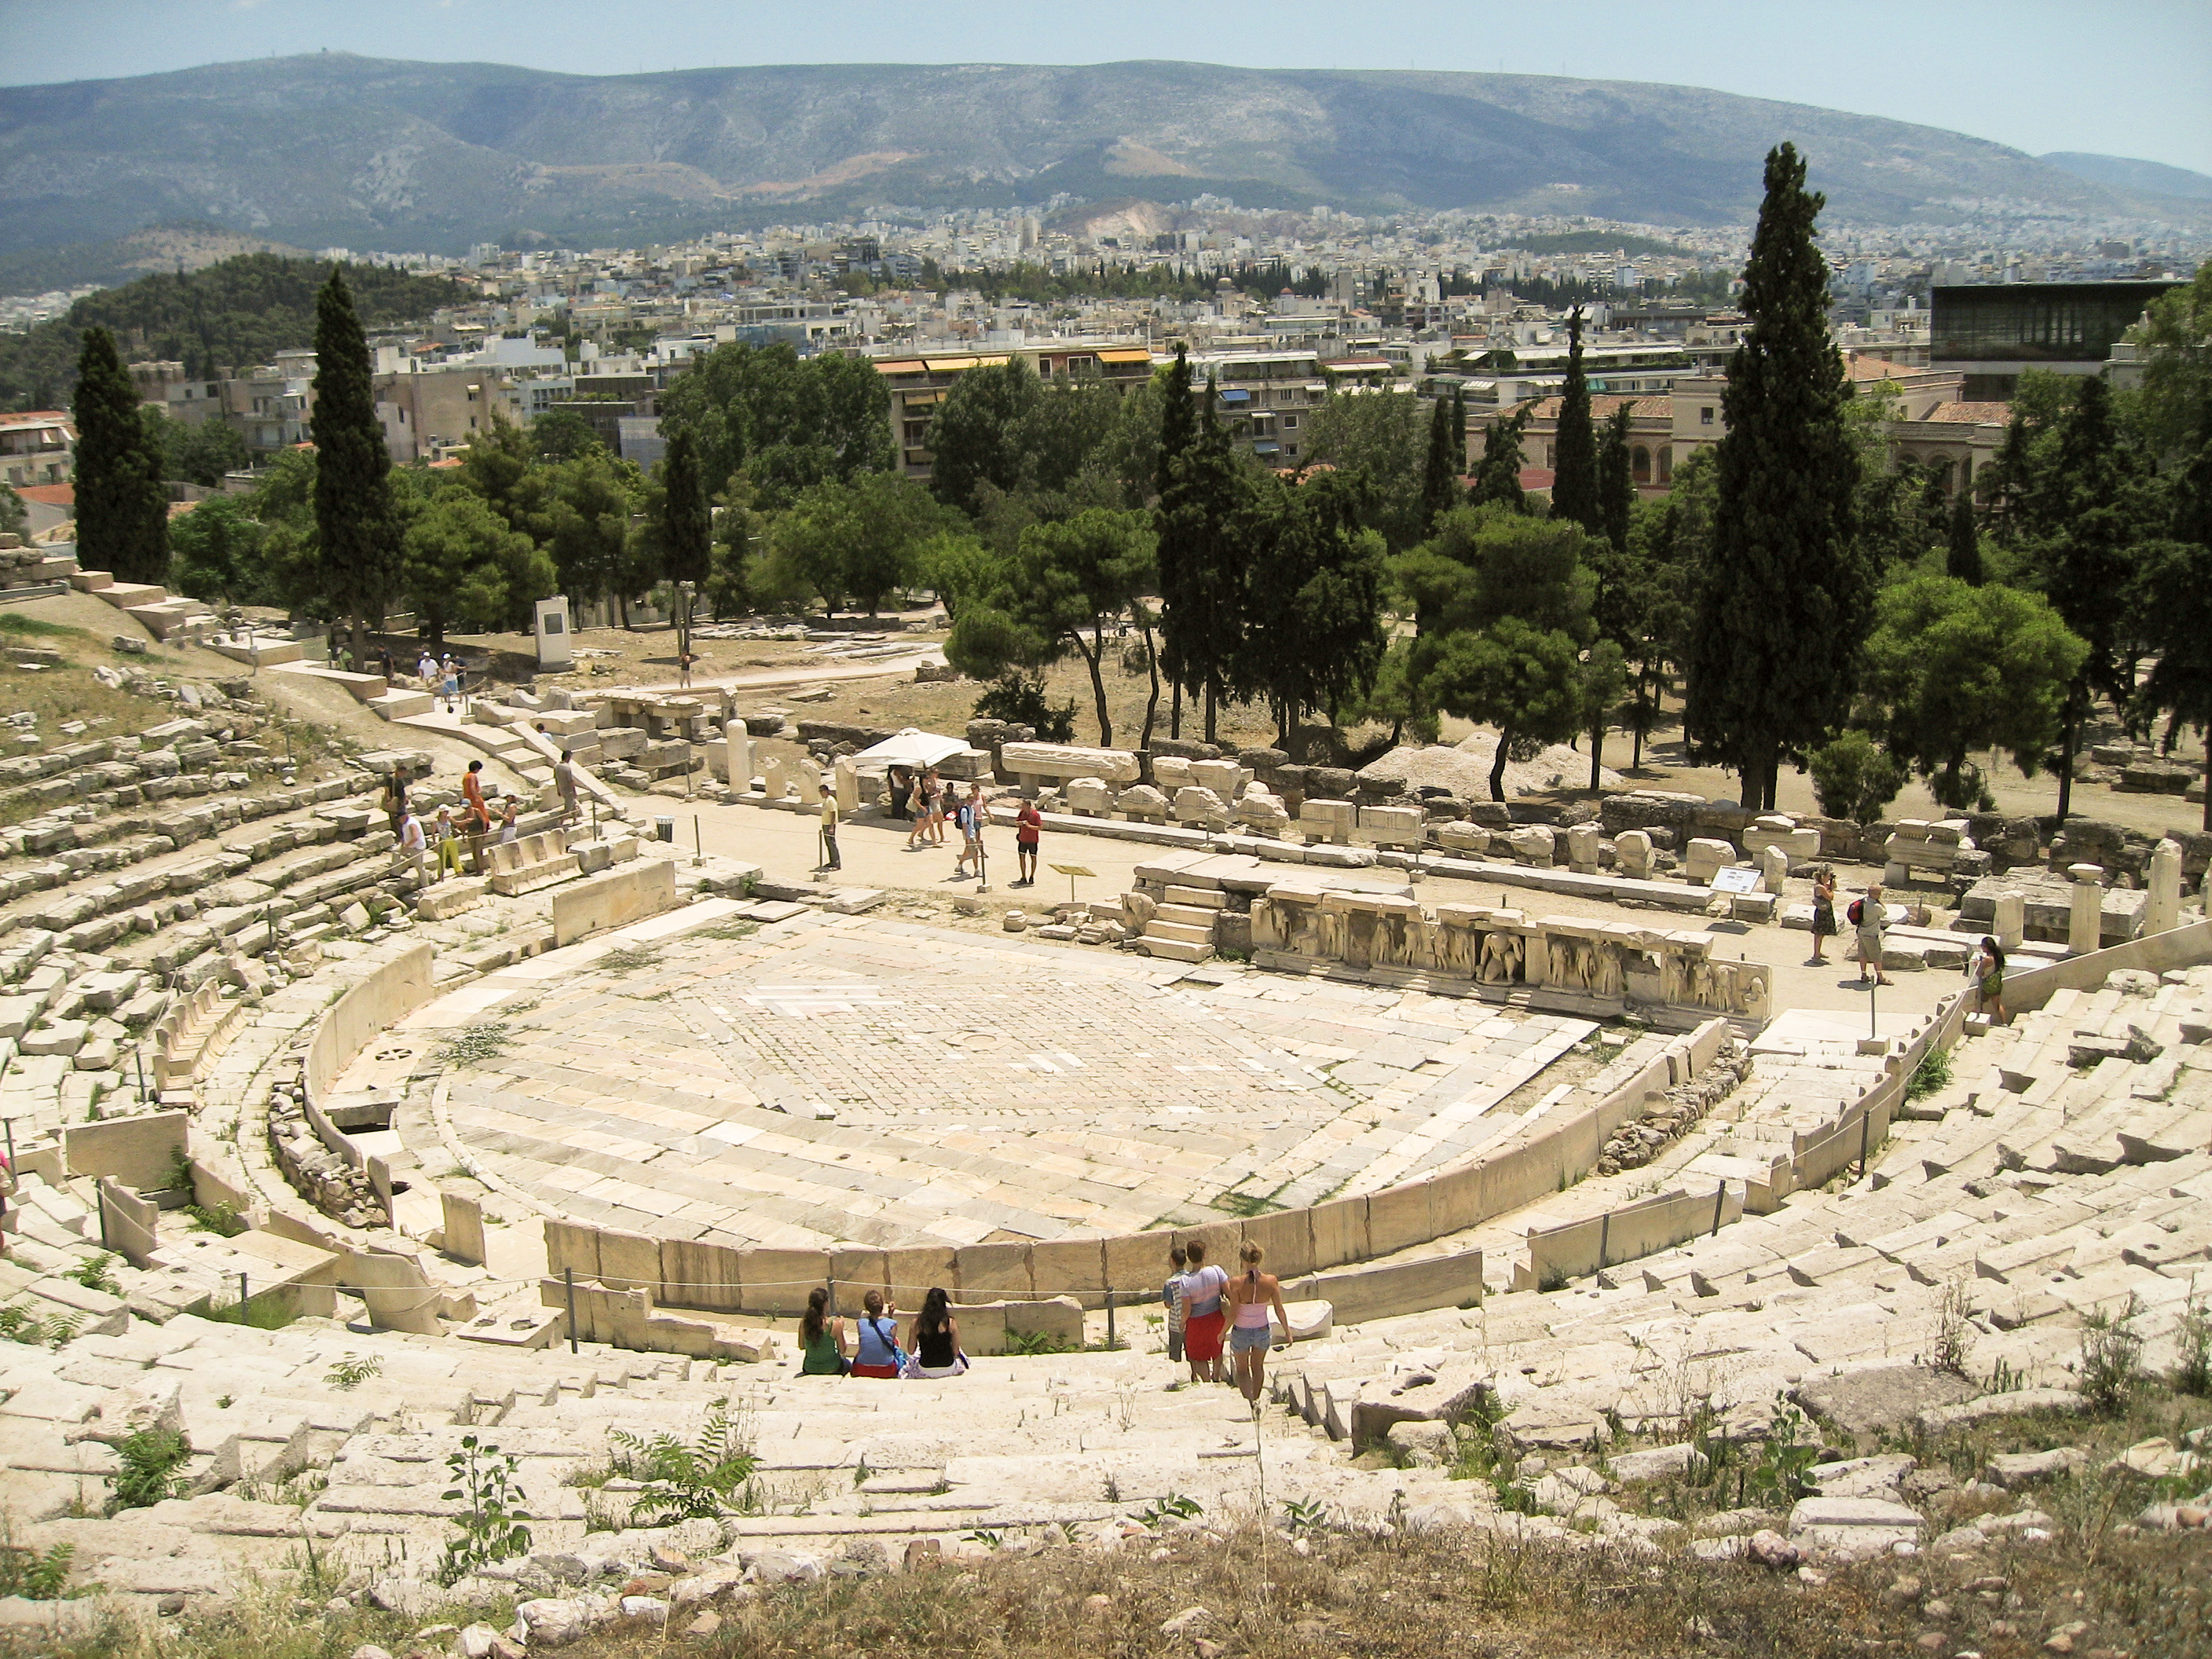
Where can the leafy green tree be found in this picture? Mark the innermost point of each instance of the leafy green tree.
(854, 542)
(976, 436)
(1644, 602)
(1574, 463)
(217, 553)
(1314, 636)
(739, 533)
(1783, 599)
(562, 434)
(356, 539)
(1523, 679)
(15, 517)
(1853, 779)
(1063, 589)
(1962, 548)
(122, 509)
(787, 423)
(1376, 435)
(1952, 668)
(2176, 334)
(199, 452)
(283, 504)
(587, 503)
(1502, 604)
(466, 568)
(959, 569)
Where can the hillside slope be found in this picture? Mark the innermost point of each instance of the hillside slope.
(334, 149)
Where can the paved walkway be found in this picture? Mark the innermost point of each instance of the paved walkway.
(874, 856)
(832, 1078)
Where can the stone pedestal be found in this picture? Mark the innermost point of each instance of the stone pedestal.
(736, 756)
(772, 780)
(2165, 885)
(1632, 849)
(1773, 869)
(2085, 921)
(845, 782)
(1583, 848)
(2008, 925)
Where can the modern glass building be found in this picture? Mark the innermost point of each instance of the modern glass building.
(1993, 333)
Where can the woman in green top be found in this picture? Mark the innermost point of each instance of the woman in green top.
(822, 1337)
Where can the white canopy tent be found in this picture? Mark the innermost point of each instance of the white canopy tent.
(912, 747)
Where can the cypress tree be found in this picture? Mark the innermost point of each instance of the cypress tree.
(1962, 556)
(1616, 485)
(1459, 428)
(686, 523)
(1178, 428)
(1574, 469)
(1440, 472)
(122, 510)
(357, 541)
(1497, 474)
(1784, 602)
(1205, 517)
(2088, 558)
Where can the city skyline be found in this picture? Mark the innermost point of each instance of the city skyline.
(2012, 73)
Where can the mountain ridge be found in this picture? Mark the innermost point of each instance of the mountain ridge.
(334, 149)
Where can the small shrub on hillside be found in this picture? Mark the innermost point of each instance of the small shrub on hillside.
(2111, 1367)
(149, 1460)
(1854, 779)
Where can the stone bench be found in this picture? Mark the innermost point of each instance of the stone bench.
(525, 864)
(1057, 763)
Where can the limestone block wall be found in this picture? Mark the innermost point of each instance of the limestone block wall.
(641, 889)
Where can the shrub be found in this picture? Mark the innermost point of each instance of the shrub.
(1018, 699)
(683, 1483)
(2111, 1366)
(1854, 779)
(2192, 1369)
(491, 1515)
(150, 1460)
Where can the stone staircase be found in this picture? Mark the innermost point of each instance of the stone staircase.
(1181, 929)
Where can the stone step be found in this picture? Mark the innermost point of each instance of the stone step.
(1184, 915)
(396, 704)
(1169, 949)
(1179, 933)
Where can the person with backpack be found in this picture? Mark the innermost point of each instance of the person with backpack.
(1174, 1296)
(1868, 915)
(879, 1353)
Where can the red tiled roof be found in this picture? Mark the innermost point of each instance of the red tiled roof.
(60, 494)
(1971, 414)
(1537, 477)
(1659, 408)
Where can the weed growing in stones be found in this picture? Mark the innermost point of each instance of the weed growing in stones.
(350, 1372)
(702, 1480)
(492, 1516)
(1955, 1334)
(149, 1460)
(2192, 1369)
(33, 1576)
(93, 1273)
(2111, 1366)
(477, 1045)
(1933, 1073)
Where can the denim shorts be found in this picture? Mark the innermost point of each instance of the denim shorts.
(1244, 1339)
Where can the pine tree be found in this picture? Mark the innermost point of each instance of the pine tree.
(357, 540)
(122, 510)
(1962, 557)
(1440, 473)
(1574, 465)
(1783, 603)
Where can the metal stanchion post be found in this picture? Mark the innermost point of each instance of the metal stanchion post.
(1111, 1342)
(244, 1295)
(570, 1273)
(698, 845)
(1866, 1129)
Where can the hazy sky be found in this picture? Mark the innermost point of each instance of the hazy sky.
(2123, 77)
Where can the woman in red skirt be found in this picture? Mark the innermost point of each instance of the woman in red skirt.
(1201, 1332)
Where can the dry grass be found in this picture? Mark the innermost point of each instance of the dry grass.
(1418, 1595)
